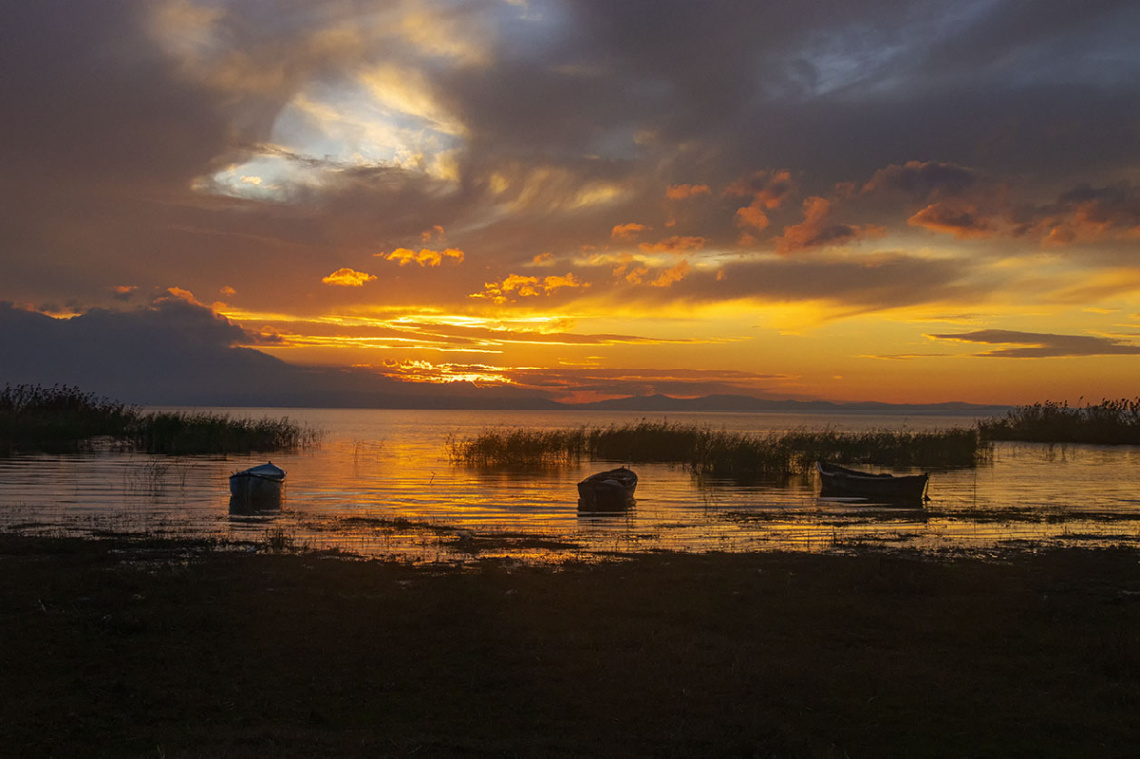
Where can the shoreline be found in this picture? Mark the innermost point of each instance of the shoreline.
(124, 648)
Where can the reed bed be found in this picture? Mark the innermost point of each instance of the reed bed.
(720, 453)
(58, 419)
(1110, 422)
(182, 433)
(519, 447)
(62, 418)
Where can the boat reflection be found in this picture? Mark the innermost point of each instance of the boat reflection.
(246, 508)
(588, 512)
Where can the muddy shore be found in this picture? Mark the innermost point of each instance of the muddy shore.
(182, 649)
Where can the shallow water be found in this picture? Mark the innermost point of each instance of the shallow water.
(381, 484)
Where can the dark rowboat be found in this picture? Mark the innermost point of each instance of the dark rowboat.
(262, 483)
(606, 491)
(839, 482)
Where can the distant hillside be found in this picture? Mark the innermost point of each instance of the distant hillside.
(659, 403)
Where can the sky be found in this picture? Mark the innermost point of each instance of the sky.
(853, 200)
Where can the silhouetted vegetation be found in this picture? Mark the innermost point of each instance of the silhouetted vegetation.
(1111, 422)
(58, 419)
(517, 446)
(720, 453)
(61, 419)
(177, 432)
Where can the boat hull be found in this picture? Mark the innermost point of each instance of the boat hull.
(259, 484)
(840, 482)
(607, 491)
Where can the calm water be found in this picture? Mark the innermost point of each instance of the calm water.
(381, 484)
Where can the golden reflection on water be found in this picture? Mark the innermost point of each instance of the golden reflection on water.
(381, 485)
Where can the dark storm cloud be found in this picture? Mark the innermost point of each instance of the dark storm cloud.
(925, 181)
(1043, 345)
(875, 82)
(88, 98)
(109, 124)
(173, 349)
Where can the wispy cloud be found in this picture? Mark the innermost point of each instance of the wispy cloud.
(1043, 345)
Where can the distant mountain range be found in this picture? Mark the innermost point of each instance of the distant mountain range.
(181, 354)
(660, 403)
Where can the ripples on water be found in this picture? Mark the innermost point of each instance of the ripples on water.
(381, 484)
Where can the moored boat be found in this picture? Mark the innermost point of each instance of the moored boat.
(607, 491)
(839, 482)
(262, 483)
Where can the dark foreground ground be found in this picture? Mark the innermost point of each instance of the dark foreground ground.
(116, 649)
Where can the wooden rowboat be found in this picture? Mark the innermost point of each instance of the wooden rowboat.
(839, 482)
(260, 484)
(607, 491)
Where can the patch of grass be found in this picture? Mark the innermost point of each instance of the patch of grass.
(62, 419)
(720, 453)
(1110, 422)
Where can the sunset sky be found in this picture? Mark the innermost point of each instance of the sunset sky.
(891, 200)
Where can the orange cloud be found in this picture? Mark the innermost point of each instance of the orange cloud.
(550, 284)
(348, 278)
(634, 276)
(627, 231)
(685, 191)
(436, 232)
(815, 231)
(752, 216)
(425, 257)
(180, 294)
(768, 191)
(227, 291)
(1088, 213)
(123, 292)
(674, 274)
(629, 271)
(958, 219)
(674, 244)
(523, 286)
(543, 259)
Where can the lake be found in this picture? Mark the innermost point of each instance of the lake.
(381, 484)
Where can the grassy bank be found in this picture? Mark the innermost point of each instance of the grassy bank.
(114, 649)
(65, 419)
(1111, 422)
(719, 452)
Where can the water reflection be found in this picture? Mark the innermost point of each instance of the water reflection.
(381, 484)
(260, 508)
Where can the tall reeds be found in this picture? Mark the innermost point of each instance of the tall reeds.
(182, 433)
(720, 453)
(521, 447)
(58, 419)
(62, 418)
(1110, 422)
